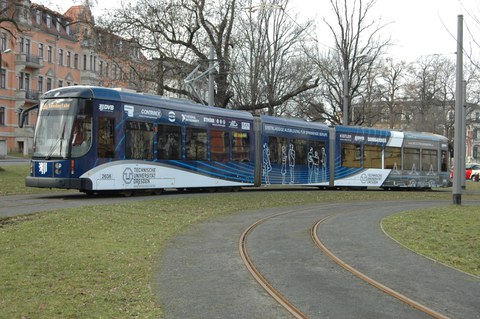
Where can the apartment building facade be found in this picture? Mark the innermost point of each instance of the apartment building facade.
(47, 50)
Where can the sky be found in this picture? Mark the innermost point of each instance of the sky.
(417, 27)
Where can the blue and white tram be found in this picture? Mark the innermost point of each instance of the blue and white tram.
(96, 139)
(367, 157)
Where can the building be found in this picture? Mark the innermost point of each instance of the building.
(41, 49)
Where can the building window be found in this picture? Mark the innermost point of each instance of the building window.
(27, 83)
(22, 45)
(27, 46)
(84, 62)
(38, 16)
(58, 24)
(100, 66)
(60, 57)
(49, 54)
(69, 57)
(4, 41)
(75, 61)
(40, 50)
(2, 115)
(3, 79)
(67, 29)
(49, 84)
(49, 21)
(21, 78)
(40, 84)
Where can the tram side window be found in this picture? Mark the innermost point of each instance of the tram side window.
(393, 158)
(316, 153)
(300, 147)
(219, 146)
(444, 161)
(138, 140)
(169, 144)
(429, 160)
(411, 160)
(372, 156)
(351, 155)
(196, 144)
(82, 135)
(278, 148)
(105, 137)
(241, 147)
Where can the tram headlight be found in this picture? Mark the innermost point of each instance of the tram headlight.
(58, 168)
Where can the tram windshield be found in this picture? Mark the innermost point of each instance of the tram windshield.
(63, 129)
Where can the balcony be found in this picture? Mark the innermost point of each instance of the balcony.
(28, 96)
(24, 61)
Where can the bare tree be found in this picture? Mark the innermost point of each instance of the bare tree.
(8, 14)
(393, 79)
(358, 46)
(430, 90)
(270, 67)
(255, 53)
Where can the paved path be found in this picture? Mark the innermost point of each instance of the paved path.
(201, 274)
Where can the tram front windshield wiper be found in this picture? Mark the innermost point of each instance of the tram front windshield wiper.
(57, 142)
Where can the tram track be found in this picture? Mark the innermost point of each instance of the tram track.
(367, 279)
(275, 294)
(287, 304)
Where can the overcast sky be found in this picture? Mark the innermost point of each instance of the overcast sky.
(418, 27)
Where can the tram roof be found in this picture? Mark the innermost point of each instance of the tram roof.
(293, 122)
(109, 94)
(425, 136)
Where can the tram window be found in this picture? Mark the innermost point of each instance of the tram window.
(351, 155)
(169, 144)
(196, 144)
(105, 138)
(372, 156)
(300, 151)
(241, 146)
(393, 158)
(278, 147)
(138, 140)
(82, 135)
(411, 160)
(317, 153)
(429, 160)
(444, 161)
(219, 146)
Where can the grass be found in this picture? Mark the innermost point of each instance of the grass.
(448, 234)
(12, 181)
(99, 261)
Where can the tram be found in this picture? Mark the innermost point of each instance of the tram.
(97, 139)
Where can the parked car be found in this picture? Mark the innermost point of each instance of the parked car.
(472, 172)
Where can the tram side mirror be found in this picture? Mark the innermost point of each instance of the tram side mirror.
(23, 114)
(21, 118)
